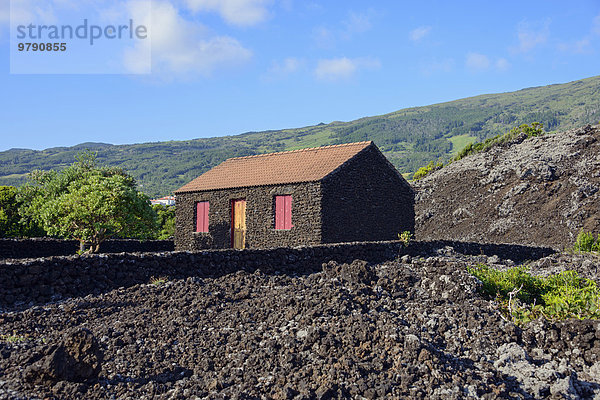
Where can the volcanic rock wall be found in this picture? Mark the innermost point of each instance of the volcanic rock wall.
(38, 281)
(47, 247)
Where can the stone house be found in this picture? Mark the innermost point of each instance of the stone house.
(331, 194)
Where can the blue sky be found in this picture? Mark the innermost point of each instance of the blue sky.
(223, 67)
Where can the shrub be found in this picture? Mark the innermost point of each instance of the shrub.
(14, 338)
(405, 238)
(158, 281)
(523, 297)
(536, 129)
(429, 168)
(586, 242)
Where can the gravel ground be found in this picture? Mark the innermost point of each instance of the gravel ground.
(411, 328)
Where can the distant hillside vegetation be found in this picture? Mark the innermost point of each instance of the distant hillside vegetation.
(410, 138)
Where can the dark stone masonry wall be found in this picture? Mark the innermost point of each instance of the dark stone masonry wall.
(366, 200)
(260, 214)
(47, 247)
(29, 282)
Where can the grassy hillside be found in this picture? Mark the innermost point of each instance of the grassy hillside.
(410, 138)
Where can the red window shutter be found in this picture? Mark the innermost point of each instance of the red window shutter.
(279, 212)
(283, 212)
(288, 213)
(205, 225)
(202, 216)
(199, 214)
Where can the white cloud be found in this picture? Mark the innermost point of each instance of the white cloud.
(184, 48)
(353, 24)
(358, 22)
(477, 62)
(585, 44)
(596, 25)
(235, 12)
(502, 64)
(435, 66)
(4, 12)
(419, 33)
(532, 35)
(336, 69)
(26, 11)
(281, 69)
(578, 46)
(179, 47)
(323, 37)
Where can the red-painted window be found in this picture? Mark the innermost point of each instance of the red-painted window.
(202, 216)
(283, 212)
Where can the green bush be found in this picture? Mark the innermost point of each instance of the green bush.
(429, 168)
(586, 242)
(405, 238)
(523, 297)
(536, 129)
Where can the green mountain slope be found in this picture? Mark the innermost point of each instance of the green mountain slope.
(409, 138)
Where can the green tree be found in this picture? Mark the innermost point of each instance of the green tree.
(9, 216)
(165, 220)
(88, 203)
(10, 219)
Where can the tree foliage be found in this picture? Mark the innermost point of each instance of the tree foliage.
(165, 221)
(88, 203)
(10, 219)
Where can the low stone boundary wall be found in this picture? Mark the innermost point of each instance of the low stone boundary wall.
(27, 282)
(47, 247)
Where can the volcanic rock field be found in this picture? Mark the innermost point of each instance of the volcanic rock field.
(409, 328)
(540, 191)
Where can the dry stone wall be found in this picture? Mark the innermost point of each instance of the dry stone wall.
(48, 247)
(37, 281)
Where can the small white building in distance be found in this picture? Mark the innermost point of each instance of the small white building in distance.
(165, 201)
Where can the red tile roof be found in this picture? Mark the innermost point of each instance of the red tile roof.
(306, 165)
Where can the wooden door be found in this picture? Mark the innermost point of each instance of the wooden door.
(238, 224)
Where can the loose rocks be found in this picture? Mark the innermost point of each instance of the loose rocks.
(77, 359)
